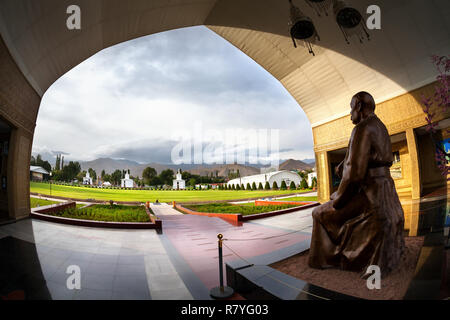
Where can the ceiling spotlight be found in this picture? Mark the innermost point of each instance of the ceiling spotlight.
(350, 21)
(320, 6)
(302, 28)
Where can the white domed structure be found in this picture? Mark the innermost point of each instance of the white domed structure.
(271, 177)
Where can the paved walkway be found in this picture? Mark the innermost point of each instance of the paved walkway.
(164, 209)
(263, 242)
(180, 263)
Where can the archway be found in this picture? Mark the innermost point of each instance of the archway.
(37, 48)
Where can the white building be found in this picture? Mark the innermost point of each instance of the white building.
(38, 173)
(106, 184)
(127, 182)
(179, 183)
(311, 176)
(87, 179)
(271, 177)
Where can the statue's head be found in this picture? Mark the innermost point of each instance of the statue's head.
(362, 105)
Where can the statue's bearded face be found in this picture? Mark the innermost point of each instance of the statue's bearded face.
(356, 111)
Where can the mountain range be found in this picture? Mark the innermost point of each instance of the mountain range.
(136, 169)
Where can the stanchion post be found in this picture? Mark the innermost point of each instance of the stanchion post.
(221, 292)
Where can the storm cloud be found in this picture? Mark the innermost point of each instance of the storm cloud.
(127, 100)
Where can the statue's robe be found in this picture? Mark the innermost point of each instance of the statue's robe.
(363, 222)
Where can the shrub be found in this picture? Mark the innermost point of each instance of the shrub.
(253, 186)
(275, 186)
(292, 185)
(267, 186)
(233, 208)
(260, 186)
(248, 186)
(304, 184)
(283, 185)
(238, 187)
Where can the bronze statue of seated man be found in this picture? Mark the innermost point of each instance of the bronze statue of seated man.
(362, 224)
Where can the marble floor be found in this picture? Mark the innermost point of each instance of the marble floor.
(180, 263)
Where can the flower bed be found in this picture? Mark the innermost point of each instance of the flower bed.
(122, 217)
(235, 208)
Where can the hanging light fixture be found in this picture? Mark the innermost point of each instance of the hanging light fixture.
(320, 6)
(350, 21)
(302, 28)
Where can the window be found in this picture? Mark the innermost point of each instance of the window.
(396, 155)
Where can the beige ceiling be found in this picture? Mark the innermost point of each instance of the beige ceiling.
(395, 61)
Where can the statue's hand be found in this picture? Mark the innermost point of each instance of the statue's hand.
(338, 170)
(333, 196)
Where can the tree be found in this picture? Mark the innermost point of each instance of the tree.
(267, 186)
(292, 185)
(283, 185)
(238, 187)
(439, 103)
(275, 186)
(149, 175)
(304, 184)
(70, 171)
(260, 186)
(192, 182)
(248, 186)
(116, 176)
(106, 177)
(314, 183)
(253, 186)
(103, 174)
(166, 176)
(92, 174)
(47, 166)
(58, 162)
(38, 160)
(80, 175)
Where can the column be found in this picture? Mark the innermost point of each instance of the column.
(323, 176)
(414, 160)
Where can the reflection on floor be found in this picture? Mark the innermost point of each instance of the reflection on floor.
(182, 262)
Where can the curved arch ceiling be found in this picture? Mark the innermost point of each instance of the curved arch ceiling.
(396, 60)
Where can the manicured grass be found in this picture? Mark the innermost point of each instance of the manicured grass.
(34, 202)
(244, 209)
(100, 212)
(152, 195)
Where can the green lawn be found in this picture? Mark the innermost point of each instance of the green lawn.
(99, 212)
(34, 202)
(244, 209)
(152, 195)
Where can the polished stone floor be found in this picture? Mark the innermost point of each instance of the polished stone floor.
(180, 263)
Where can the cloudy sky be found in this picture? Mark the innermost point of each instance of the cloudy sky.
(143, 99)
